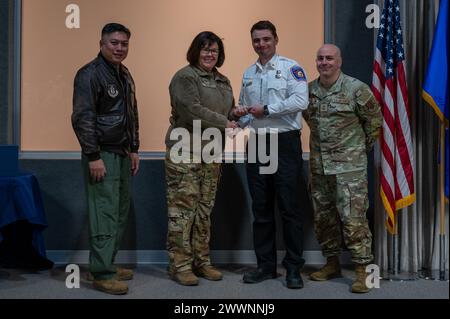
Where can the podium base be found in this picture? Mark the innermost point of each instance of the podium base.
(433, 274)
(401, 276)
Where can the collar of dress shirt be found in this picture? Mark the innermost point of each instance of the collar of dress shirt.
(271, 65)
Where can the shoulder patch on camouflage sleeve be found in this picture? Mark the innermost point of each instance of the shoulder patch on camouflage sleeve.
(363, 95)
(298, 73)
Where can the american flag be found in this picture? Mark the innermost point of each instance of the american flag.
(390, 89)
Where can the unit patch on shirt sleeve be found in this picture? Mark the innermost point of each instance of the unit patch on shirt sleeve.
(298, 73)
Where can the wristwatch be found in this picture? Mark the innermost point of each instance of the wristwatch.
(266, 110)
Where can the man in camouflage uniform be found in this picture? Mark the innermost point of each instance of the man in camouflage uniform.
(345, 120)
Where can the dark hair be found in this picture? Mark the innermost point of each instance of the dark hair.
(202, 40)
(265, 25)
(115, 27)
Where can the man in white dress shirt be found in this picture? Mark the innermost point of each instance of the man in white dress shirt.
(274, 93)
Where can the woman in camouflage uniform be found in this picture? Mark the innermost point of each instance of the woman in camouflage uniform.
(198, 92)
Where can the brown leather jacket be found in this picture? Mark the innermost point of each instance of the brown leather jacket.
(105, 114)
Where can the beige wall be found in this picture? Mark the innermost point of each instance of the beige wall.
(161, 34)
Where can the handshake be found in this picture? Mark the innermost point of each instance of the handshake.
(255, 110)
(239, 111)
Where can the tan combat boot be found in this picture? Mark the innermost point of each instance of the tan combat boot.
(122, 274)
(359, 285)
(185, 278)
(331, 270)
(111, 286)
(208, 272)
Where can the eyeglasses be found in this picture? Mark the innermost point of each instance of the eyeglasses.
(210, 51)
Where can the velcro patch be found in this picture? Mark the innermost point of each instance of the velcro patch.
(298, 73)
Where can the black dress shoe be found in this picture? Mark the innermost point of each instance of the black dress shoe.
(293, 278)
(258, 275)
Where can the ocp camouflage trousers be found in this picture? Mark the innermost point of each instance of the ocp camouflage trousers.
(340, 203)
(191, 191)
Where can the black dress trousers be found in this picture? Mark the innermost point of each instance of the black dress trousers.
(283, 188)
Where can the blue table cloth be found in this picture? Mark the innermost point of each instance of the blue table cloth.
(21, 200)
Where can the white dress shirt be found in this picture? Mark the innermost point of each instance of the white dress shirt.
(280, 84)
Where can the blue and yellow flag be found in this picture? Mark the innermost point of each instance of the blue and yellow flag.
(435, 87)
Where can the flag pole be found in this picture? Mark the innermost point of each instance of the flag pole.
(395, 256)
(443, 275)
(395, 274)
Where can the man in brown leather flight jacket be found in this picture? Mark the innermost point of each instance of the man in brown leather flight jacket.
(105, 121)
